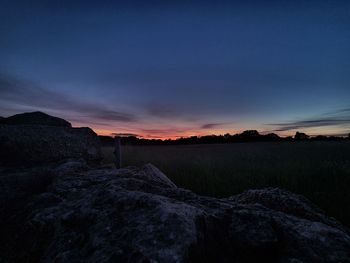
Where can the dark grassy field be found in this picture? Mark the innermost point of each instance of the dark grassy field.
(318, 170)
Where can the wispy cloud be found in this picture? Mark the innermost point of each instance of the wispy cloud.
(338, 112)
(311, 124)
(211, 125)
(14, 91)
(337, 118)
(173, 132)
(344, 110)
(125, 134)
(163, 131)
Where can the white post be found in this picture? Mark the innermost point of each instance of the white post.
(117, 152)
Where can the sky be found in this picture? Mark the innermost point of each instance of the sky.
(166, 69)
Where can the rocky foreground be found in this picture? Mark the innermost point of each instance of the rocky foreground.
(74, 213)
(57, 204)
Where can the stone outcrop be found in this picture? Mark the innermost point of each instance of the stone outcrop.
(71, 213)
(57, 205)
(30, 145)
(35, 118)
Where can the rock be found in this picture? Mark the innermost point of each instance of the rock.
(138, 215)
(35, 118)
(30, 145)
(286, 202)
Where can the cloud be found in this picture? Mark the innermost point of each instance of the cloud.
(338, 112)
(311, 124)
(103, 114)
(164, 133)
(14, 91)
(337, 118)
(344, 110)
(211, 125)
(125, 134)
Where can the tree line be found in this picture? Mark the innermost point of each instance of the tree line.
(246, 136)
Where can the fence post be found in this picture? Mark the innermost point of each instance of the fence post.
(117, 152)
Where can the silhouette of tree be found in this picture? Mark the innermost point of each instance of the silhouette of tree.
(301, 136)
(246, 136)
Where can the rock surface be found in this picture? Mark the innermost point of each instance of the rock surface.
(30, 145)
(72, 213)
(35, 118)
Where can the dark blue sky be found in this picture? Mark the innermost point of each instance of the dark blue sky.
(179, 68)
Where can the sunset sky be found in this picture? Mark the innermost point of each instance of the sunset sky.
(163, 69)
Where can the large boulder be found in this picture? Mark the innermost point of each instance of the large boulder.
(76, 214)
(35, 118)
(30, 145)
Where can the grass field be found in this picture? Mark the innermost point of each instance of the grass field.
(318, 170)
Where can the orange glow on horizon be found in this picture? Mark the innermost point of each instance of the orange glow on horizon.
(163, 134)
(173, 134)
